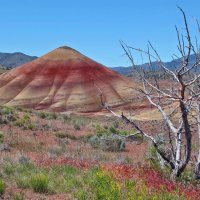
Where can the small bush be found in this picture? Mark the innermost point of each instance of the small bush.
(113, 130)
(42, 115)
(39, 183)
(7, 115)
(47, 115)
(108, 142)
(25, 122)
(66, 118)
(77, 127)
(61, 135)
(56, 150)
(23, 159)
(6, 110)
(66, 135)
(22, 182)
(8, 169)
(20, 196)
(101, 130)
(1, 137)
(102, 184)
(2, 187)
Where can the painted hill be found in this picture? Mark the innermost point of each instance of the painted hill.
(11, 60)
(64, 80)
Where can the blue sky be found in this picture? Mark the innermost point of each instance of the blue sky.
(93, 27)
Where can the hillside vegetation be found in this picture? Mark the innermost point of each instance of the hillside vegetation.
(53, 156)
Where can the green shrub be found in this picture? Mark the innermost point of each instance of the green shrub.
(25, 122)
(8, 114)
(23, 182)
(65, 135)
(61, 135)
(20, 196)
(95, 141)
(2, 187)
(8, 169)
(6, 110)
(108, 142)
(66, 118)
(101, 130)
(1, 137)
(77, 127)
(42, 115)
(39, 183)
(23, 159)
(47, 115)
(101, 185)
(113, 130)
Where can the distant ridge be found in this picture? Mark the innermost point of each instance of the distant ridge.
(171, 65)
(12, 60)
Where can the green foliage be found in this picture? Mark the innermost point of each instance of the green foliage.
(100, 185)
(152, 152)
(65, 135)
(93, 183)
(23, 182)
(104, 186)
(66, 118)
(111, 142)
(7, 115)
(1, 137)
(6, 110)
(77, 127)
(20, 196)
(39, 183)
(113, 130)
(61, 135)
(25, 122)
(153, 157)
(101, 130)
(8, 169)
(2, 187)
(95, 141)
(48, 115)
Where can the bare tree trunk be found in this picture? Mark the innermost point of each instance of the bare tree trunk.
(197, 167)
(176, 172)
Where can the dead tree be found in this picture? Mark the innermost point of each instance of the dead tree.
(174, 101)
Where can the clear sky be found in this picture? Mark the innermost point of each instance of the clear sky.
(93, 27)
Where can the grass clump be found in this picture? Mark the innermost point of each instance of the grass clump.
(2, 187)
(102, 185)
(77, 127)
(48, 115)
(95, 183)
(25, 122)
(60, 135)
(39, 183)
(1, 137)
(111, 142)
(19, 196)
(65, 135)
(8, 115)
(22, 182)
